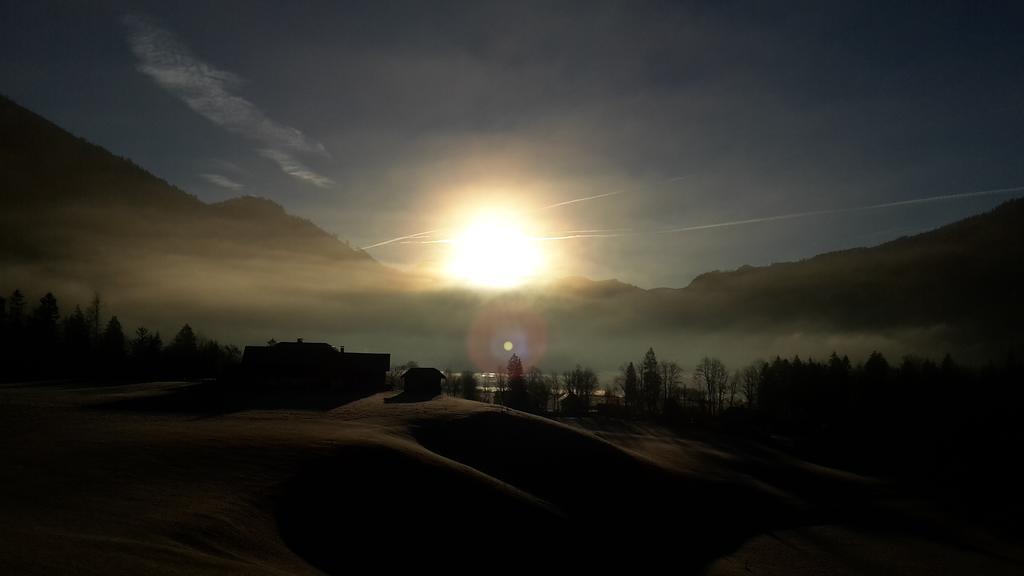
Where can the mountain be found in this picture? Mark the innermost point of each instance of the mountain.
(65, 197)
(967, 274)
(75, 219)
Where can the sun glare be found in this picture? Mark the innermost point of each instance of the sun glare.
(495, 253)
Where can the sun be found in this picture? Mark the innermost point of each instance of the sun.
(494, 252)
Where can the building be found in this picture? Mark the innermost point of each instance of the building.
(315, 365)
(423, 381)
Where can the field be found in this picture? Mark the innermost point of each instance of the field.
(132, 479)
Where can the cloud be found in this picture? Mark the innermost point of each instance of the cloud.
(292, 167)
(207, 90)
(222, 181)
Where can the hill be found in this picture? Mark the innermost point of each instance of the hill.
(121, 478)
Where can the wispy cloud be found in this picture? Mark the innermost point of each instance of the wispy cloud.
(209, 92)
(222, 181)
(289, 165)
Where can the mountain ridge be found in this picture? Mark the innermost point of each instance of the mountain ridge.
(55, 180)
(75, 219)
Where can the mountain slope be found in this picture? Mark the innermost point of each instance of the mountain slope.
(65, 197)
(76, 219)
(968, 274)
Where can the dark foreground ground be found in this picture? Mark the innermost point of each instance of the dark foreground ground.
(143, 479)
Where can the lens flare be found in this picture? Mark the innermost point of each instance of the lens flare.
(502, 328)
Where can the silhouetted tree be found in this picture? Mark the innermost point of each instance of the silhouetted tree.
(77, 343)
(92, 318)
(144, 353)
(44, 320)
(671, 378)
(751, 382)
(500, 386)
(451, 383)
(394, 379)
(630, 384)
(7, 367)
(516, 395)
(580, 384)
(468, 385)
(555, 386)
(734, 388)
(711, 375)
(16, 310)
(112, 347)
(183, 353)
(42, 344)
(650, 381)
(43, 336)
(536, 391)
(15, 351)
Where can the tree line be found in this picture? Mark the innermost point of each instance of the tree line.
(37, 342)
(571, 392)
(952, 424)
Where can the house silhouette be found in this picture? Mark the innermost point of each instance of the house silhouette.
(315, 365)
(423, 381)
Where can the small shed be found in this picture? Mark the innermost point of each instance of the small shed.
(423, 381)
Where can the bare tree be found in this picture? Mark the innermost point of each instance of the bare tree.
(734, 388)
(394, 376)
(629, 382)
(711, 375)
(500, 386)
(723, 387)
(580, 384)
(671, 378)
(610, 399)
(449, 382)
(751, 377)
(536, 390)
(555, 386)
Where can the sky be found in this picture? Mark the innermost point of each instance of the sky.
(807, 127)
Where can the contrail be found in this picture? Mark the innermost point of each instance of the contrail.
(574, 236)
(626, 232)
(399, 239)
(621, 232)
(575, 200)
(843, 210)
(598, 231)
(405, 239)
(438, 241)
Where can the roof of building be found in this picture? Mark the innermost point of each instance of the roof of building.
(423, 372)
